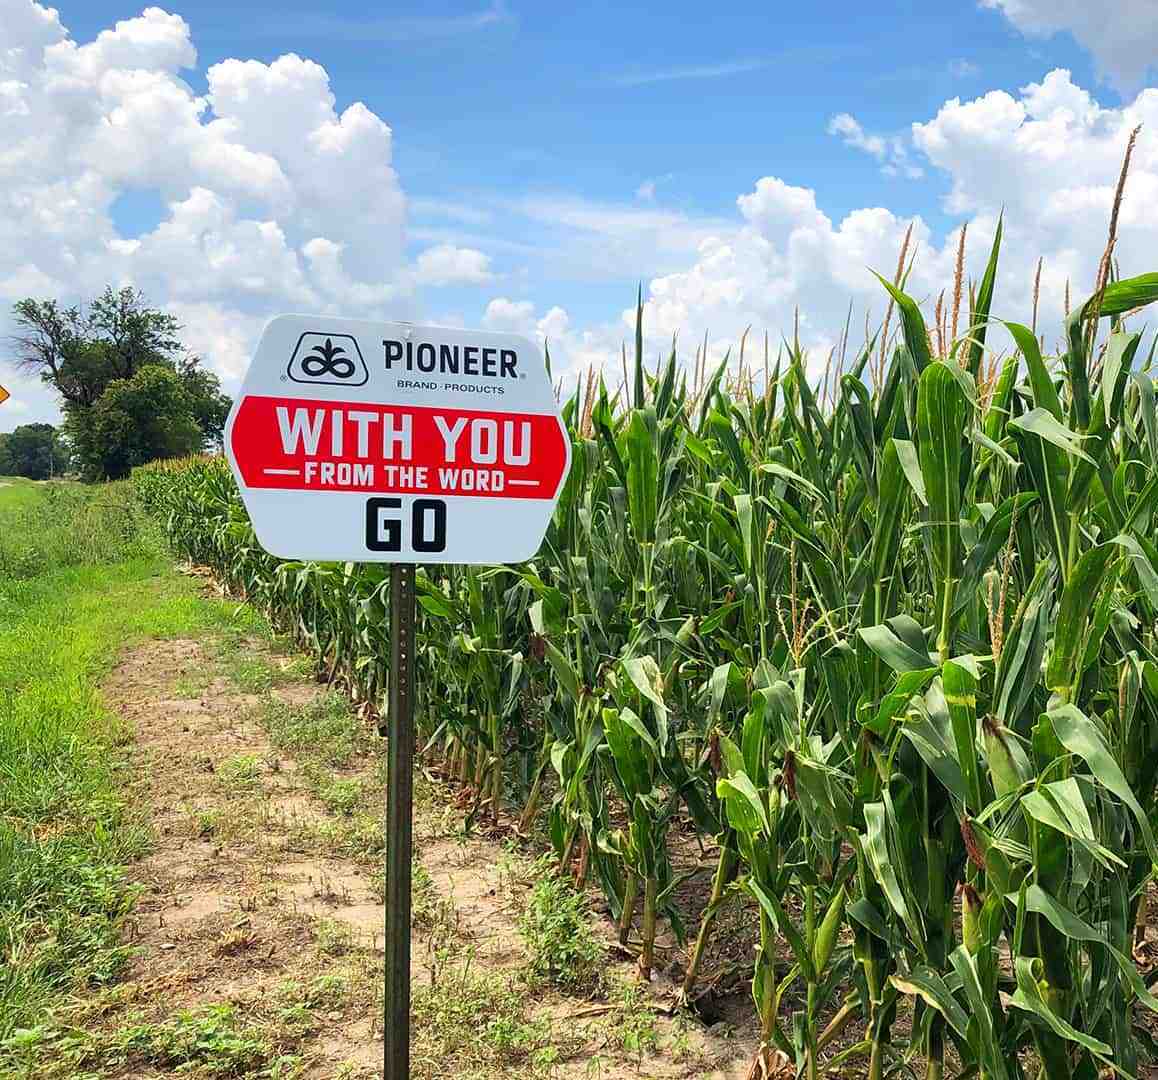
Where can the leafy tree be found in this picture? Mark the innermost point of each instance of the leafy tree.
(96, 357)
(136, 420)
(34, 451)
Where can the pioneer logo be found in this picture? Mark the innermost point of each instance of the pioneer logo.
(427, 357)
(328, 360)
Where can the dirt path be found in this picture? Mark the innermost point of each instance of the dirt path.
(257, 934)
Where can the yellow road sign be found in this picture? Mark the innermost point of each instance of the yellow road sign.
(4, 395)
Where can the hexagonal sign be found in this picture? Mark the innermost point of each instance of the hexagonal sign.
(397, 443)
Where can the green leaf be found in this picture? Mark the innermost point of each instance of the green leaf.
(746, 811)
(642, 478)
(1078, 734)
(1067, 923)
(980, 317)
(645, 676)
(1028, 997)
(925, 983)
(981, 1009)
(907, 455)
(1123, 296)
(774, 468)
(1078, 600)
(1044, 391)
(1143, 565)
(894, 702)
(785, 927)
(916, 336)
(876, 847)
(1044, 425)
(563, 672)
(960, 678)
(943, 413)
(1042, 806)
(893, 651)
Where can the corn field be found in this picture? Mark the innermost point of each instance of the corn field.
(886, 639)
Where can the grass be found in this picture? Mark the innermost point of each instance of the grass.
(469, 1020)
(17, 493)
(212, 1041)
(51, 526)
(65, 831)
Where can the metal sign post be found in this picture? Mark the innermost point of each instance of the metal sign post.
(399, 804)
(384, 442)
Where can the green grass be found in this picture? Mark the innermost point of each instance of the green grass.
(45, 527)
(65, 831)
(16, 493)
(214, 1041)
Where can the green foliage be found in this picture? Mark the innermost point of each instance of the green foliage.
(135, 420)
(213, 1041)
(33, 451)
(556, 930)
(66, 525)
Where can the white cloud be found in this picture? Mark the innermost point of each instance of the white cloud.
(1123, 36)
(1049, 155)
(445, 264)
(889, 150)
(273, 198)
(963, 69)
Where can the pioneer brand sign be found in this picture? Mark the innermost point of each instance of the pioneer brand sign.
(386, 442)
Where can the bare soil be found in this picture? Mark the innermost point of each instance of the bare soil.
(259, 894)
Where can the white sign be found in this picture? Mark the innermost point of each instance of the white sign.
(390, 442)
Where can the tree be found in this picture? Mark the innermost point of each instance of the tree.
(135, 421)
(88, 354)
(34, 451)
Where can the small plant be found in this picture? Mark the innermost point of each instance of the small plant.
(342, 796)
(632, 1028)
(242, 772)
(333, 938)
(556, 929)
(211, 1042)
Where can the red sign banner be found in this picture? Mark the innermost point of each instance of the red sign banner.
(313, 445)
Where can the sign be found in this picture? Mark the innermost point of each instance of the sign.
(391, 442)
(4, 395)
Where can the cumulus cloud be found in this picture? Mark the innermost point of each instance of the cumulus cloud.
(1048, 155)
(445, 264)
(1123, 38)
(273, 198)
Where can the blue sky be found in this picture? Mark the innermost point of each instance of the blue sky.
(493, 103)
(574, 152)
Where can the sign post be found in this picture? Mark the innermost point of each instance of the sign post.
(402, 444)
(399, 813)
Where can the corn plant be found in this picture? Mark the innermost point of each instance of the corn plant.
(885, 643)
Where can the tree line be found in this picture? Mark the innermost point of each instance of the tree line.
(129, 389)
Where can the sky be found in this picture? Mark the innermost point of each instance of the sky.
(527, 166)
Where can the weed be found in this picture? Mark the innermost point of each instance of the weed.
(213, 1041)
(464, 1021)
(325, 728)
(556, 929)
(341, 796)
(333, 938)
(241, 772)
